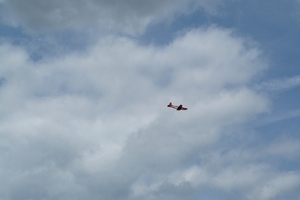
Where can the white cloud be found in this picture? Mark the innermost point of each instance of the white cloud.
(94, 124)
(243, 172)
(97, 122)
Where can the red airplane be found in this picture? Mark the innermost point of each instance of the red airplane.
(180, 107)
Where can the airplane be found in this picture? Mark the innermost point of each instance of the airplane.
(180, 107)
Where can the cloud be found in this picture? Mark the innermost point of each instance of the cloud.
(280, 84)
(129, 17)
(95, 125)
(283, 183)
(244, 172)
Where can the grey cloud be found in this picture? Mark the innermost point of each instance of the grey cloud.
(125, 16)
(130, 16)
(169, 190)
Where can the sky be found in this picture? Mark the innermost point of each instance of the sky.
(84, 89)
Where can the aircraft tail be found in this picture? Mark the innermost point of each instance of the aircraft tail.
(179, 107)
(170, 104)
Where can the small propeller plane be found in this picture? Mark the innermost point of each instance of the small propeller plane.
(180, 107)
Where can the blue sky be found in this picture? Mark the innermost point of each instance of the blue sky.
(84, 87)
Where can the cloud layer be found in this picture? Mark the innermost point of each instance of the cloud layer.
(95, 125)
(92, 122)
(129, 17)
